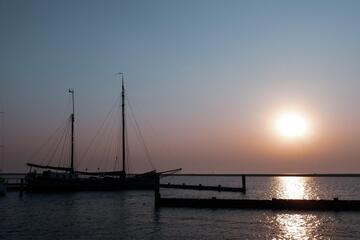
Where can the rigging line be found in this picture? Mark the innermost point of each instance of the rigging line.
(104, 149)
(110, 140)
(147, 152)
(99, 129)
(62, 155)
(108, 144)
(76, 164)
(57, 146)
(115, 147)
(48, 140)
(53, 155)
(126, 139)
(129, 156)
(127, 149)
(111, 152)
(120, 139)
(165, 148)
(117, 143)
(116, 151)
(116, 161)
(45, 143)
(65, 114)
(138, 137)
(52, 143)
(64, 141)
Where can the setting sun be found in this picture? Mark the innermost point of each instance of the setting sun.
(292, 125)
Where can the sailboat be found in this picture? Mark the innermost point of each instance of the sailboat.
(56, 178)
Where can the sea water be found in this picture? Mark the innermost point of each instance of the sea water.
(131, 214)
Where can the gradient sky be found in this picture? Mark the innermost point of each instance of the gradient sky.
(205, 78)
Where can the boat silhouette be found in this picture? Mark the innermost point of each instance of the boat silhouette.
(56, 178)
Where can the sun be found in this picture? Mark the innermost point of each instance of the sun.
(292, 125)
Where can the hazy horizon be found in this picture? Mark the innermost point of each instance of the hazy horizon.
(205, 78)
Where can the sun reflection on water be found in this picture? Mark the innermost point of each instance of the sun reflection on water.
(292, 188)
(293, 225)
(296, 226)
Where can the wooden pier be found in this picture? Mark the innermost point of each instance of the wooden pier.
(274, 204)
(201, 187)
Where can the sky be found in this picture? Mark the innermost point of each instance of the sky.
(205, 79)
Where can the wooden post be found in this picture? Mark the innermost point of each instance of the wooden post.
(244, 183)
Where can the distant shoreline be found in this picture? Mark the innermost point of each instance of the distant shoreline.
(247, 174)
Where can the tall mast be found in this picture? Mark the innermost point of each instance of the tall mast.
(123, 123)
(72, 118)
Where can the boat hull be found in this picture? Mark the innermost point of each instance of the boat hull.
(68, 183)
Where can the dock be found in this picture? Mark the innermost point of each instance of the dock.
(201, 187)
(273, 204)
(260, 204)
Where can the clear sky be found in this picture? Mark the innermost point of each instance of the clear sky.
(205, 79)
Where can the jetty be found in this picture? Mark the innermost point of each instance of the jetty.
(261, 204)
(201, 187)
(273, 204)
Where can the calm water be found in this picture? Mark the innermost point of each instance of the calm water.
(131, 215)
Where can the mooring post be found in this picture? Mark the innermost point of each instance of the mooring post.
(157, 191)
(243, 183)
